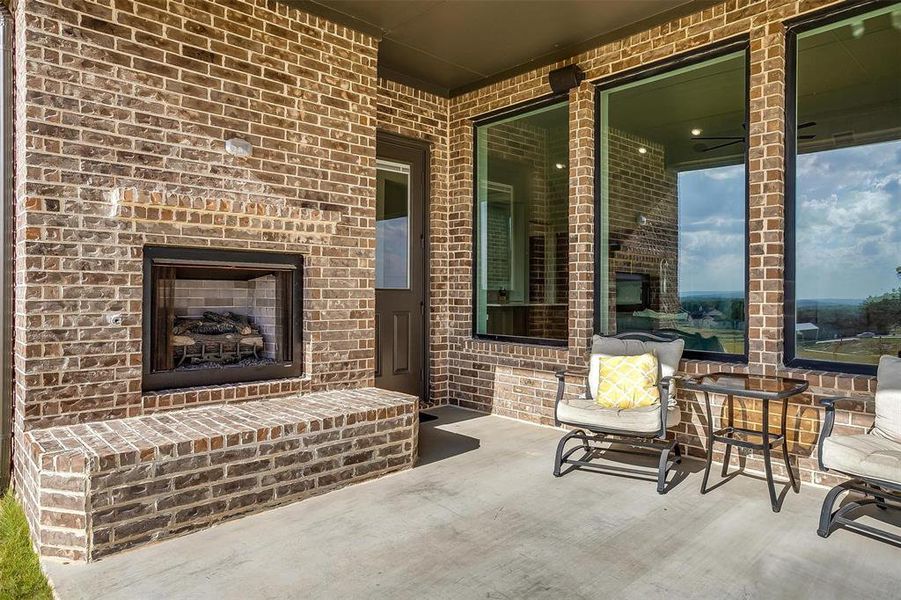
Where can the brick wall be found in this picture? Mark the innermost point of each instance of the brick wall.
(122, 112)
(138, 97)
(517, 380)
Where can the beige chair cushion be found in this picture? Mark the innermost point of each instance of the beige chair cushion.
(668, 356)
(888, 398)
(646, 419)
(866, 455)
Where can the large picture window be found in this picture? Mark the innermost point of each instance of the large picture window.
(522, 226)
(672, 212)
(843, 276)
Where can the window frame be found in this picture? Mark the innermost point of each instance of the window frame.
(512, 111)
(794, 27)
(732, 45)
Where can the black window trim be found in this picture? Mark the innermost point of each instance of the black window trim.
(794, 27)
(740, 43)
(508, 112)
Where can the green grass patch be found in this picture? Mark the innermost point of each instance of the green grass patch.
(853, 350)
(21, 577)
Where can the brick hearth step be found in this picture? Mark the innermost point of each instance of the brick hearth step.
(98, 488)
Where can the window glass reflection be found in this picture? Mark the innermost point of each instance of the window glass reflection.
(673, 206)
(392, 226)
(848, 190)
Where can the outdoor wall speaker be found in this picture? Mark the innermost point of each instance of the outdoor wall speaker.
(564, 79)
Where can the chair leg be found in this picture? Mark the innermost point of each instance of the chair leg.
(726, 458)
(768, 470)
(662, 468)
(558, 458)
(707, 464)
(826, 515)
(670, 454)
(788, 467)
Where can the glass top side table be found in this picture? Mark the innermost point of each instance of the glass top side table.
(765, 388)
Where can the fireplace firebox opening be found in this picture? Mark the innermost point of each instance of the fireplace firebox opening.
(220, 316)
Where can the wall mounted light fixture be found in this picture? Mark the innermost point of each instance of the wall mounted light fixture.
(238, 147)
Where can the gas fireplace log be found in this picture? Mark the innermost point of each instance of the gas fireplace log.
(239, 323)
(231, 338)
(212, 323)
(182, 340)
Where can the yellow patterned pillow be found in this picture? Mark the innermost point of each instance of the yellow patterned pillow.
(628, 381)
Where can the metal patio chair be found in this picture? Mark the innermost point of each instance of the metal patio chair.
(639, 431)
(872, 460)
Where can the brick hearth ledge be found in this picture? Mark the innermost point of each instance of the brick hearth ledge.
(98, 488)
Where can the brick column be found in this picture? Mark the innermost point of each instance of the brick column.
(766, 149)
(581, 221)
(460, 237)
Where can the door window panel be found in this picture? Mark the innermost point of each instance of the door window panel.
(392, 226)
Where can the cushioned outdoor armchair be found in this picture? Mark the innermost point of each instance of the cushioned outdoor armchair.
(634, 430)
(872, 460)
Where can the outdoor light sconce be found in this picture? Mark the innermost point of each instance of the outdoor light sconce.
(238, 147)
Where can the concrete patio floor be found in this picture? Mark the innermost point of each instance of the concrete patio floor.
(482, 517)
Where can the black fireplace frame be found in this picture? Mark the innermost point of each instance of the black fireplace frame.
(174, 380)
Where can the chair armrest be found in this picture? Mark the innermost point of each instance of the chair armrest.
(561, 387)
(828, 423)
(829, 403)
(663, 387)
